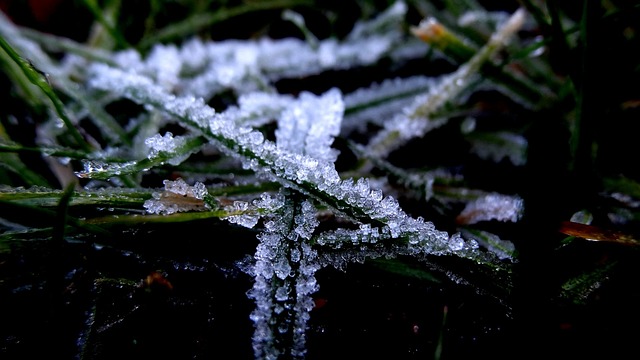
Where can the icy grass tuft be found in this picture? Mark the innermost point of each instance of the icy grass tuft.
(284, 271)
(301, 158)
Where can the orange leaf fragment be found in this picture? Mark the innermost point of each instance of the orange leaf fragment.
(595, 233)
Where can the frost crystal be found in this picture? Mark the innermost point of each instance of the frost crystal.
(393, 94)
(501, 145)
(387, 21)
(178, 196)
(248, 214)
(311, 176)
(248, 66)
(309, 125)
(456, 242)
(167, 144)
(416, 120)
(502, 248)
(492, 207)
(259, 108)
(283, 287)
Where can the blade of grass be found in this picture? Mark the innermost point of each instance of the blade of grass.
(197, 22)
(40, 80)
(579, 288)
(13, 163)
(582, 133)
(396, 266)
(33, 216)
(438, 352)
(25, 88)
(61, 213)
(108, 171)
(51, 151)
(47, 199)
(106, 22)
(60, 44)
(105, 122)
(451, 45)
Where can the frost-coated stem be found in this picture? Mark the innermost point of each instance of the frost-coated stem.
(417, 119)
(52, 75)
(313, 177)
(284, 281)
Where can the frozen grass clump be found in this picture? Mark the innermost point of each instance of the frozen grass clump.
(274, 136)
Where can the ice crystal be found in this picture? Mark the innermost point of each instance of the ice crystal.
(178, 196)
(582, 217)
(93, 168)
(258, 108)
(385, 22)
(167, 144)
(417, 119)
(247, 66)
(492, 206)
(503, 249)
(297, 169)
(282, 288)
(484, 21)
(248, 214)
(309, 125)
(501, 145)
(392, 94)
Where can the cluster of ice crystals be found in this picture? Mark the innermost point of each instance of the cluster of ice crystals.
(480, 19)
(178, 196)
(199, 190)
(456, 242)
(394, 94)
(248, 65)
(309, 125)
(129, 59)
(492, 206)
(247, 219)
(165, 63)
(503, 249)
(269, 203)
(250, 213)
(416, 119)
(419, 238)
(258, 108)
(284, 282)
(343, 247)
(166, 143)
(294, 168)
(502, 145)
(306, 221)
(96, 168)
(385, 22)
(367, 43)
(179, 187)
